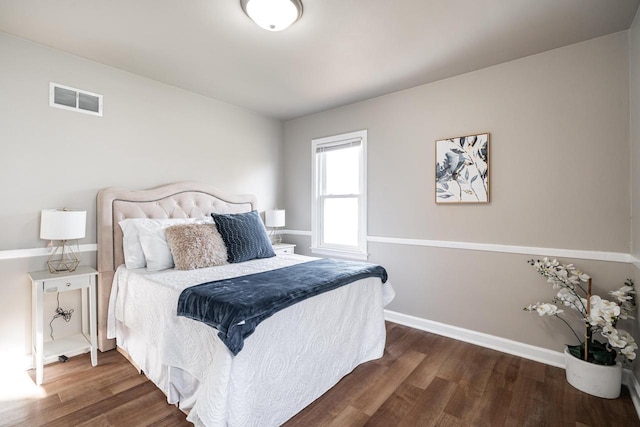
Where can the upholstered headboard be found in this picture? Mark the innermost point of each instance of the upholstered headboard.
(178, 200)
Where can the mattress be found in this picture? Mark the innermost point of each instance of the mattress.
(293, 357)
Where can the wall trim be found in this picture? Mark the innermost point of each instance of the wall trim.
(512, 249)
(296, 232)
(538, 354)
(491, 247)
(487, 247)
(37, 252)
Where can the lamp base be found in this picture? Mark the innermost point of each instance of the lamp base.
(62, 259)
(275, 236)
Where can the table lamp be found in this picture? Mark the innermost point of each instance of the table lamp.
(275, 219)
(62, 225)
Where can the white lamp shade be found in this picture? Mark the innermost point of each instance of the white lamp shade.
(58, 224)
(274, 218)
(273, 15)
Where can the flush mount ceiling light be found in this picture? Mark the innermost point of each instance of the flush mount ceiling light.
(273, 15)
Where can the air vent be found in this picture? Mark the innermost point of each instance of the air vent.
(69, 98)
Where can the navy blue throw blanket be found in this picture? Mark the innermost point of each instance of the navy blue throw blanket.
(236, 306)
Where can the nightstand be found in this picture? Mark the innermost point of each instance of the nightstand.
(43, 282)
(283, 248)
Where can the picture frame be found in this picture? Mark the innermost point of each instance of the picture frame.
(462, 169)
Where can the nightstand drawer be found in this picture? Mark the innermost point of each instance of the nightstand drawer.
(66, 283)
(284, 248)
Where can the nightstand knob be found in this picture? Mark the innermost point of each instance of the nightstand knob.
(68, 284)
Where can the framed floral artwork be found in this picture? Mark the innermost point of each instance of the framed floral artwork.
(462, 169)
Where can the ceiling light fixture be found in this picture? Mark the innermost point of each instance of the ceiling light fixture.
(273, 15)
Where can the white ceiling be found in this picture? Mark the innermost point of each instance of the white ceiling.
(341, 51)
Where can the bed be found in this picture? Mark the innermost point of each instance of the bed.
(291, 359)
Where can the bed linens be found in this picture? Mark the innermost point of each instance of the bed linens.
(236, 306)
(313, 343)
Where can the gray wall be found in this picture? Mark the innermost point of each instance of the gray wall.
(150, 134)
(634, 90)
(634, 107)
(559, 124)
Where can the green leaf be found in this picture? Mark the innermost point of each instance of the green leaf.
(577, 350)
(598, 353)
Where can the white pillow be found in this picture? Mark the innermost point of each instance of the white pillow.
(134, 254)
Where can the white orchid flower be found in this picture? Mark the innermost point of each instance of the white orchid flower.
(568, 297)
(616, 341)
(574, 280)
(583, 277)
(547, 309)
(595, 321)
(626, 310)
(595, 301)
(629, 353)
(627, 337)
(623, 294)
(603, 311)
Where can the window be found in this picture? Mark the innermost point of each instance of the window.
(339, 217)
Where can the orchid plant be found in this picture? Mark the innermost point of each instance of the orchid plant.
(599, 316)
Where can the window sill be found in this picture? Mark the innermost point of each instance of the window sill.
(359, 256)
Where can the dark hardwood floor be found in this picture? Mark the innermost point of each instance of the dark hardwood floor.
(422, 380)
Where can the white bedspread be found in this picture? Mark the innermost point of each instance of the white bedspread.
(293, 357)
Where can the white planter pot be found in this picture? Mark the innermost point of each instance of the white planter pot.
(596, 380)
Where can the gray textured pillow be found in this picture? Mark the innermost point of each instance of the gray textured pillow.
(196, 246)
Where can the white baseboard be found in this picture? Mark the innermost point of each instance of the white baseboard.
(630, 380)
(538, 354)
(25, 363)
(12, 361)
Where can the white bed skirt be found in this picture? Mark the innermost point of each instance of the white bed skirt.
(292, 358)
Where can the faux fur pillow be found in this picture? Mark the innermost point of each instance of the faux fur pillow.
(196, 246)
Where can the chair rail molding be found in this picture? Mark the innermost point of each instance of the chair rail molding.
(492, 247)
(38, 252)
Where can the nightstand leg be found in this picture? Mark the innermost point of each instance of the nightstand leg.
(93, 322)
(85, 316)
(38, 344)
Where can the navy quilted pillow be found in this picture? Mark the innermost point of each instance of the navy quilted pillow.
(244, 235)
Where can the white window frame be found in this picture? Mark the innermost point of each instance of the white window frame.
(317, 223)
